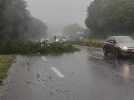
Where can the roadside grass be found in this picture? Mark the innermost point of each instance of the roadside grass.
(5, 63)
(89, 42)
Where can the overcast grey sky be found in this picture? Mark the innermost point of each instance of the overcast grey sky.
(58, 13)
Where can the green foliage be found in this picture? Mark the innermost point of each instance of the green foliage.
(36, 29)
(28, 47)
(111, 16)
(13, 18)
(18, 47)
(16, 21)
(89, 42)
(5, 63)
(58, 48)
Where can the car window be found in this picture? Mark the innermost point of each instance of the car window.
(124, 39)
(110, 39)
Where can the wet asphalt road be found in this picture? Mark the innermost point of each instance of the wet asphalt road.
(83, 75)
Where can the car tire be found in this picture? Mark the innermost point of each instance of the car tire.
(105, 53)
(113, 54)
(118, 54)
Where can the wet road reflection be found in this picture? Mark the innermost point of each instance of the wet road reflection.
(83, 75)
(126, 71)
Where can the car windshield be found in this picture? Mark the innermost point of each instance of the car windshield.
(124, 39)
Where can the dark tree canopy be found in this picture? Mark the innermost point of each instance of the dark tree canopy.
(37, 29)
(14, 19)
(111, 16)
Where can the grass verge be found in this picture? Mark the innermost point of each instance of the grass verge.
(89, 42)
(5, 63)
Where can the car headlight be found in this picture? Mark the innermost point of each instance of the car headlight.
(124, 48)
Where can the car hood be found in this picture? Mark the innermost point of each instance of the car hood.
(129, 45)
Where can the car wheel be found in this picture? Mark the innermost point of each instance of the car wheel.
(111, 54)
(118, 54)
(105, 53)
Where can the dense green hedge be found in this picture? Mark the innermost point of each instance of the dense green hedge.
(29, 47)
(58, 48)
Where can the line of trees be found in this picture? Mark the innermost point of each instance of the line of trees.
(16, 21)
(107, 17)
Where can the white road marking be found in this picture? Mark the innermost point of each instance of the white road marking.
(99, 58)
(44, 58)
(57, 72)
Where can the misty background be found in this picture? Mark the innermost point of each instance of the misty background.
(59, 13)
